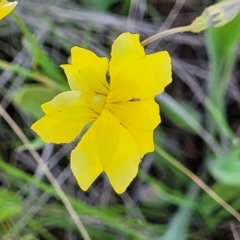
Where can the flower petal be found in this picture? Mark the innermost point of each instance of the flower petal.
(141, 115)
(109, 147)
(6, 7)
(126, 50)
(66, 115)
(53, 130)
(62, 100)
(144, 141)
(87, 72)
(85, 161)
(140, 118)
(118, 151)
(77, 102)
(135, 75)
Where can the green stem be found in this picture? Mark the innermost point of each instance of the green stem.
(165, 34)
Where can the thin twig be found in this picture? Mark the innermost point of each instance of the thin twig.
(198, 181)
(234, 231)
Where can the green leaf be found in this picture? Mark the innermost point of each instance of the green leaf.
(222, 48)
(222, 44)
(44, 61)
(164, 193)
(10, 205)
(226, 169)
(219, 119)
(31, 97)
(224, 37)
(179, 225)
(183, 116)
(40, 57)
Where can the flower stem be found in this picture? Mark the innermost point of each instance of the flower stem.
(165, 34)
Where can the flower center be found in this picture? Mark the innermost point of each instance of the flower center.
(97, 102)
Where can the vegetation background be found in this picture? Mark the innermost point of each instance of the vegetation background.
(199, 129)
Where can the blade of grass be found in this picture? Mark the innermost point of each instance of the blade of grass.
(176, 111)
(198, 181)
(32, 75)
(48, 174)
(179, 225)
(222, 46)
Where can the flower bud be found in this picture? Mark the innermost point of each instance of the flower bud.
(216, 15)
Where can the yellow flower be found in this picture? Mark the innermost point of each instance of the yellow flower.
(117, 97)
(6, 7)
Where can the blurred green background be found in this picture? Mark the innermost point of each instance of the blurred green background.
(199, 129)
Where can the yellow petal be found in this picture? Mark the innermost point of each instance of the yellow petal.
(62, 100)
(87, 72)
(75, 101)
(109, 147)
(159, 65)
(85, 161)
(144, 141)
(141, 115)
(140, 118)
(126, 50)
(135, 75)
(118, 151)
(53, 130)
(6, 7)
(65, 118)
